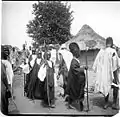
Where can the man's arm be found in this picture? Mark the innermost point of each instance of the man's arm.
(76, 67)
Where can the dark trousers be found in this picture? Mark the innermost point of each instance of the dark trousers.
(4, 103)
(115, 89)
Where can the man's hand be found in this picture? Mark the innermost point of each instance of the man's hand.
(85, 67)
(45, 63)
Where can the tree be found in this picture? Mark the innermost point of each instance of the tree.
(51, 23)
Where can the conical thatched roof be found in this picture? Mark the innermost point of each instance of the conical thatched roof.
(88, 36)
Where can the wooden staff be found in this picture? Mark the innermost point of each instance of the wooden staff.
(89, 44)
(47, 74)
(24, 82)
(87, 83)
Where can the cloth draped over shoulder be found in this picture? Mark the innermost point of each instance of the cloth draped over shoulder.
(42, 71)
(53, 56)
(26, 67)
(33, 60)
(76, 81)
(67, 56)
(105, 64)
(33, 86)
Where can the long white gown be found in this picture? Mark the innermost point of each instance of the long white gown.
(104, 66)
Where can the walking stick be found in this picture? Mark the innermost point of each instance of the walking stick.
(89, 44)
(24, 82)
(47, 87)
(47, 75)
(87, 83)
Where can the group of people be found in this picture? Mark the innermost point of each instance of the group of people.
(9, 60)
(40, 81)
(40, 75)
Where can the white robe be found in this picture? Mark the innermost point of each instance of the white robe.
(9, 71)
(67, 56)
(42, 71)
(33, 60)
(53, 56)
(26, 68)
(104, 66)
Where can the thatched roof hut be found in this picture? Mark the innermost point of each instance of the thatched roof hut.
(89, 36)
(88, 39)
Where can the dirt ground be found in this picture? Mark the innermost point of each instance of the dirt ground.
(26, 106)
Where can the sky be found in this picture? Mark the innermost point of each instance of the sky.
(102, 17)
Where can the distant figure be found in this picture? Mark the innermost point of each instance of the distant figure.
(13, 57)
(76, 78)
(106, 68)
(25, 53)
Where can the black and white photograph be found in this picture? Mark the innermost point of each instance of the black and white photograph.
(60, 58)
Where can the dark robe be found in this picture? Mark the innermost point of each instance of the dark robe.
(76, 81)
(4, 88)
(34, 87)
(50, 84)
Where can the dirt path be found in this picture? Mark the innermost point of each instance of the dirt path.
(26, 106)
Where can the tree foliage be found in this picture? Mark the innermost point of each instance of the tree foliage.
(51, 23)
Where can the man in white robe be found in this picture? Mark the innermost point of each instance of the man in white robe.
(106, 65)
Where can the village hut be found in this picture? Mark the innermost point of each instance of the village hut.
(89, 42)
